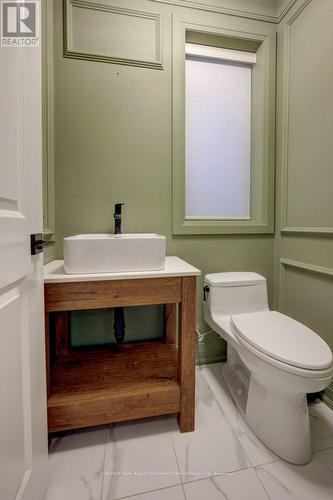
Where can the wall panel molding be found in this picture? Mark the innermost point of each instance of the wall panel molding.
(327, 272)
(74, 52)
(285, 227)
(278, 11)
(283, 7)
(208, 6)
(310, 231)
(48, 121)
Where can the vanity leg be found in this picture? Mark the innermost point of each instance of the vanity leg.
(186, 354)
(170, 314)
(47, 353)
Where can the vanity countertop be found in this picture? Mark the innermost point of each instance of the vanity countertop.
(174, 266)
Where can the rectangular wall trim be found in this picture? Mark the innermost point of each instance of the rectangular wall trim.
(311, 231)
(112, 55)
(285, 228)
(327, 395)
(284, 8)
(48, 121)
(206, 5)
(301, 266)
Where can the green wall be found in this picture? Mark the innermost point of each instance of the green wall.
(112, 131)
(303, 247)
(96, 326)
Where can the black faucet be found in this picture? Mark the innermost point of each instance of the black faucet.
(117, 218)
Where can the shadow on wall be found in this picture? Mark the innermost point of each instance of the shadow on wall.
(95, 327)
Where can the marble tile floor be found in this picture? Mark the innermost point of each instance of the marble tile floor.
(150, 459)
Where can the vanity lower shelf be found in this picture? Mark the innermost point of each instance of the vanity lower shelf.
(90, 388)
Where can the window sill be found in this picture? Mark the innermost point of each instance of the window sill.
(192, 227)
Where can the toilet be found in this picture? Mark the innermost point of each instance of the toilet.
(273, 361)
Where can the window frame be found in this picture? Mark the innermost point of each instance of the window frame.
(263, 126)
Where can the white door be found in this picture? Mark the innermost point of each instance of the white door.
(23, 428)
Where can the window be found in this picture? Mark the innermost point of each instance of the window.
(223, 128)
(218, 133)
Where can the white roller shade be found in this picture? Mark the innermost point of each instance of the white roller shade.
(242, 57)
(218, 138)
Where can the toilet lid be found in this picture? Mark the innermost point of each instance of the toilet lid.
(283, 338)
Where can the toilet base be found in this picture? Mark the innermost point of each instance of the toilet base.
(279, 418)
(281, 421)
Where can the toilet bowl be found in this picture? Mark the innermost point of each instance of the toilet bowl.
(273, 361)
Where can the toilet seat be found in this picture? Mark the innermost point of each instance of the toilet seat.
(280, 338)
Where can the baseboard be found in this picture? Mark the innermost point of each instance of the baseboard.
(210, 360)
(327, 396)
(211, 350)
(327, 401)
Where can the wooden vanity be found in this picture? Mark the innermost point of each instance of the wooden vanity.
(94, 386)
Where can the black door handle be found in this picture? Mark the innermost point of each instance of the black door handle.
(37, 244)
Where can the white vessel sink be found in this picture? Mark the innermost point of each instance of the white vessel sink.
(108, 253)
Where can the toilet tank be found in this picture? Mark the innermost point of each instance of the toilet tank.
(234, 293)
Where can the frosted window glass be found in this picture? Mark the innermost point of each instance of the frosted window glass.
(218, 139)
